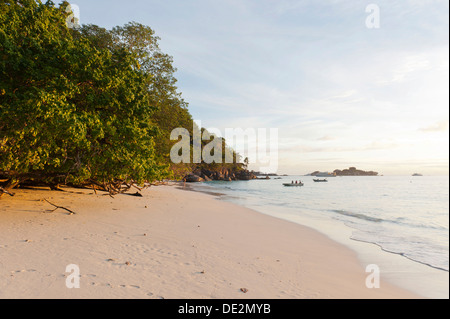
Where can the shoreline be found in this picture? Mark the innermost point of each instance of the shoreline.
(419, 278)
(169, 244)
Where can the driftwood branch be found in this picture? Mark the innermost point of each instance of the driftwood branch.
(4, 191)
(56, 207)
(138, 188)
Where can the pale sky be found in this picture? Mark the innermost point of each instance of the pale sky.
(339, 93)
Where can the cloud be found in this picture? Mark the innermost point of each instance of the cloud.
(379, 146)
(406, 67)
(305, 148)
(326, 138)
(436, 127)
(344, 95)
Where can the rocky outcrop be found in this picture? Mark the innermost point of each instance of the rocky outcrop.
(192, 178)
(245, 175)
(352, 171)
(223, 174)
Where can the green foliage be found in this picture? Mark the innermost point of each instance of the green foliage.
(170, 109)
(67, 107)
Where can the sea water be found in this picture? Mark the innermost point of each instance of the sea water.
(378, 216)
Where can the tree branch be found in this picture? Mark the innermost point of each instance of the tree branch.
(70, 211)
(4, 191)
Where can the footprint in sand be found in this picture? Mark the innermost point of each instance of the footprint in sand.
(112, 286)
(23, 270)
(102, 284)
(130, 286)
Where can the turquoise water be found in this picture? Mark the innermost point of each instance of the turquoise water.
(404, 215)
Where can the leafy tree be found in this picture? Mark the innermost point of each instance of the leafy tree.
(170, 109)
(69, 110)
(246, 162)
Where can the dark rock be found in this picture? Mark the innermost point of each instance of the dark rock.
(206, 178)
(222, 174)
(191, 178)
(245, 175)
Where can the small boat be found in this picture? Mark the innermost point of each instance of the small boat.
(320, 180)
(293, 184)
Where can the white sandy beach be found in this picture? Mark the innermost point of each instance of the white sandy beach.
(170, 243)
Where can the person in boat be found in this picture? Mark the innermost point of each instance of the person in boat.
(292, 182)
(296, 182)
